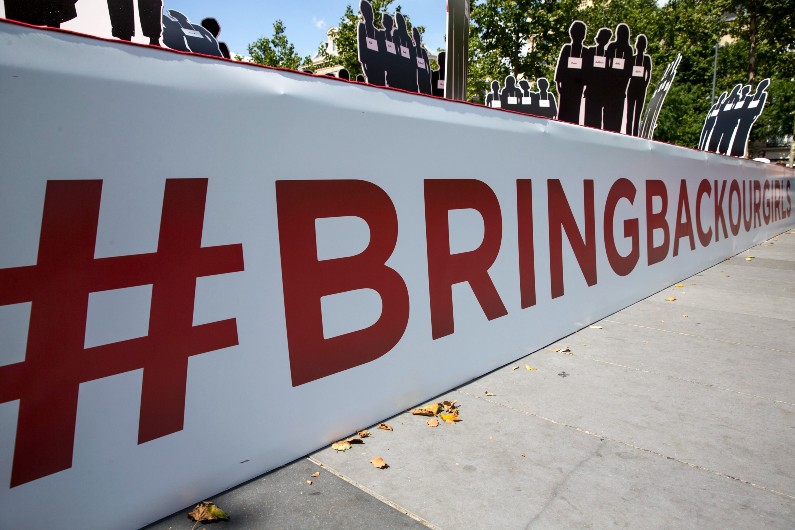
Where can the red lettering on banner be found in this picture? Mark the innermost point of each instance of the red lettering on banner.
(704, 188)
(734, 189)
(56, 362)
(524, 216)
(656, 221)
(683, 228)
(622, 265)
(757, 203)
(720, 219)
(560, 219)
(767, 209)
(748, 206)
(306, 280)
(446, 269)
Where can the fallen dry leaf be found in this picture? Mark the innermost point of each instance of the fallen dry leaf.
(379, 463)
(342, 445)
(449, 405)
(515, 368)
(679, 285)
(433, 422)
(595, 327)
(207, 512)
(315, 474)
(364, 434)
(566, 349)
(529, 368)
(385, 427)
(309, 482)
(685, 316)
(490, 393)
(422, 412)
(452, 417)
(671, 299)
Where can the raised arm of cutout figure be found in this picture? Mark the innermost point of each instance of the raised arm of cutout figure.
(750, 113)
(723, 121)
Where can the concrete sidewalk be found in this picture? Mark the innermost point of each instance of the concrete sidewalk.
(668, 414)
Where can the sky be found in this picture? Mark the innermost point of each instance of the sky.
(244, 21)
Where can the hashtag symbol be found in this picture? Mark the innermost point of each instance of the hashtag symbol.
(56, 361)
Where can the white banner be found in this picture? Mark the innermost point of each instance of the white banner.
(209, 269)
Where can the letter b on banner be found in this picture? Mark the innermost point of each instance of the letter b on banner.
(306, 279)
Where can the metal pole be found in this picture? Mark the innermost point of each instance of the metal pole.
(715, 71)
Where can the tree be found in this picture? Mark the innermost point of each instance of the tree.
(277, 50)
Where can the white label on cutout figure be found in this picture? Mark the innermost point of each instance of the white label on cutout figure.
(618, 63)
(600, 62)
(390, 47)
(372, 44)
(405, 52)
(575, 62)
(637, 71)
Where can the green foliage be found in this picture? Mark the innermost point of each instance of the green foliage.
(277, 50)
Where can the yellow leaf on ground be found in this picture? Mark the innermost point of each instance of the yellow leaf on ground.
(679, 285)
(490, 393)
(342, 445)
(422, 412)
(315, 474)
(379, 463)
(556, 350)
(749, 258)
(384, 427)
(433, 422)
(364, 434)
(451, 417)
(207, 512)
(671, 299)
(529, 368)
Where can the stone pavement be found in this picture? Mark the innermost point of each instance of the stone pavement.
(668, 414)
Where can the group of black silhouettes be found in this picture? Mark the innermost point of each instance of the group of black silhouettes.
(177, 32)
(390, 57)
(728, 124)
(522, 99)
(605, 84)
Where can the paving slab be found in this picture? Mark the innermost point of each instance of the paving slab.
(654, 419)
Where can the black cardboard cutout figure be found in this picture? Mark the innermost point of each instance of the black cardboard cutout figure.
(360, 78)
(529, 100)
(658, 98)
(406, 69)
(122, 19)
(493, 97)
(725, 121)
(569, 74)
(619, 68)
(521, 99)
(749, 114)
(548, 106)
(370, 45)
(437, 76)
(180, 34)
(423, 65)
(212, 25)
(728, 124)
(638, 85)
(390, 57)
(51, 13)
(510, 95)
(344, 74)
(596, 84)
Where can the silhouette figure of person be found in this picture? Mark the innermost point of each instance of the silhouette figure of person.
(438, 76)
(569, 75)
(344, 74)
(709, 123)
(619, 64)
(638, 85)
(391, 49)
(212, 25)
(547, 105)
(510, 95)
(407, 55)
(529, 101)
(50, 13)
(493, 97)
(753, 109)
(725, 121)
(368, 43)
(180, 34)
(733, 117)
(423, 64)
(360, 78)
(596, 78)
(150, 13)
